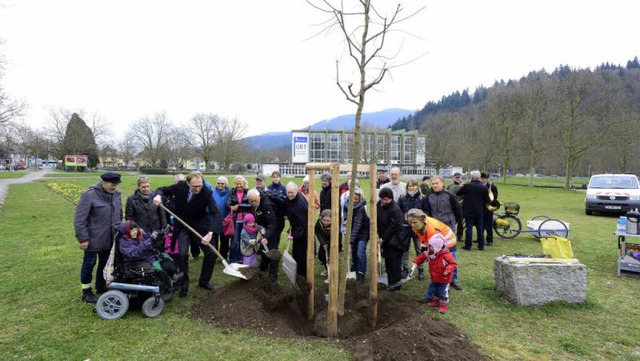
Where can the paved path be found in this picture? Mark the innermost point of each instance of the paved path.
(4, 183)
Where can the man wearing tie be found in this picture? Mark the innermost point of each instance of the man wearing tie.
(193, 204)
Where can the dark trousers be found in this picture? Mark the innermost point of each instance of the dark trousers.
(470, 223)
(487, 217)
(323, 255)
(184, 241)
(234, 248)
(88, 262)
(195, 247)
(269, 264)
(299, 253)
(393, 265)
(221, 243)
(460, 228)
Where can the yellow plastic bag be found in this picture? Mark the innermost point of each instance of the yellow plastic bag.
(556, 247)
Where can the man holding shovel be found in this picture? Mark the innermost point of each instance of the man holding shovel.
(194, 204)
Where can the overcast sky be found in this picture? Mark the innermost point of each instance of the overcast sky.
(254, 60)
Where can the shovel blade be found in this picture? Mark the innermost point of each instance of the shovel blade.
(233, 273)
(289, 266)
(232, 269)
(383, 279)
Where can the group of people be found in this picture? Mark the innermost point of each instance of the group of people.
(429, 212)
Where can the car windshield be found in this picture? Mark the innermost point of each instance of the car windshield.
(614, 182)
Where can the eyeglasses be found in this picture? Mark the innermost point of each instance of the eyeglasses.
(221, 183)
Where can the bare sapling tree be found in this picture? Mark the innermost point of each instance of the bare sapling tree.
(203, 129)
(152, 134)
(228, 147)
(366, 31)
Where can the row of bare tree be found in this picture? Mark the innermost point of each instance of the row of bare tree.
(156, 139)
(570, 122)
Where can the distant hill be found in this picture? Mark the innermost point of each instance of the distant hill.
(378, 120)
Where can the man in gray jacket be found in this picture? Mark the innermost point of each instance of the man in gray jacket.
(99, 207)
(443, 206)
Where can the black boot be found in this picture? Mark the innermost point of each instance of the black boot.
(359, 278)
(88, 296)
(420, 274)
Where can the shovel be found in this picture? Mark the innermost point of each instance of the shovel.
(273, 254)
(404, 280)
(230, 269)
(383, 279)
(289, 265)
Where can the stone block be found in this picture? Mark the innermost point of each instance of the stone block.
(530, 282)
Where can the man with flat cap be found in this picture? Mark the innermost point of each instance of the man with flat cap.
(260, 183)
(99, 207)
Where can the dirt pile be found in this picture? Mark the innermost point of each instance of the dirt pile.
(403, 332)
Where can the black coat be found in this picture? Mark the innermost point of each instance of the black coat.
(325, 198)
(360, 224)
(297, 213)
(390, 220)
(266, 217)
(244, 205)
(407, 202)
(142, 211)
(195, 213)
(475, 196)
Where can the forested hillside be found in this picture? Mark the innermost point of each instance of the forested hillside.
(569, 122)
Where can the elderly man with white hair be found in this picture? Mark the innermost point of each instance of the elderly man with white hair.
(265, 213)
(475, 197)
(297, 214)
(396, 186)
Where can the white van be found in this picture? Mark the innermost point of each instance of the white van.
(612, 193)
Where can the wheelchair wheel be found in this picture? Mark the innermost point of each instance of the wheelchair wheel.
(150, 309)
(112, 305)
(553, 227)
(509, 230)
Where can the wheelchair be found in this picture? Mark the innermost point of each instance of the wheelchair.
(133, 282)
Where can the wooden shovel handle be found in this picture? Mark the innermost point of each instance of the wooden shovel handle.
(191, 229)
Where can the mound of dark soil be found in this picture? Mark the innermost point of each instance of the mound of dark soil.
(403, 332)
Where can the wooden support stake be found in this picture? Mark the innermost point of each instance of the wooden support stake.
(310, 242)
(373, 246)
(332, 314)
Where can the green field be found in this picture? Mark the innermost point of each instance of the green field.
(43, 317)
(4, 174)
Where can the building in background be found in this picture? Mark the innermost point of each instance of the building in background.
(404, 149)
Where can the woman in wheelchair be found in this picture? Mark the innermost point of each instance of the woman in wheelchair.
(141, 250)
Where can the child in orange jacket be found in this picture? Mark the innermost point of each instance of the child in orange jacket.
(441, 267)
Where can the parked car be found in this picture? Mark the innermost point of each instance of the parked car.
(612, 193)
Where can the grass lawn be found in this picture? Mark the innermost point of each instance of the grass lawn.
(4, 174)
(43, 317)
